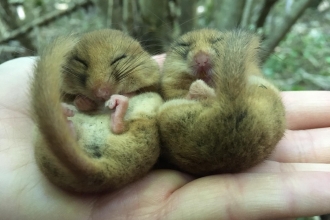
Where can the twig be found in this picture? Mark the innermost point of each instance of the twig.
(264, 13)
(109, 14)
(10, 19)
(7, 15)
(319, 81)
(42, 21)
(11, 49)
(288, 22)
(229, 14)
(247, 13)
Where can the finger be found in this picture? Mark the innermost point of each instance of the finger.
(305, 146)
(276, 167)
(251, 196)
(14, 83)
(307, 109)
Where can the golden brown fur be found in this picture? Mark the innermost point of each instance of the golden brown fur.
(109, 60)
(94, 159)
(225, 119)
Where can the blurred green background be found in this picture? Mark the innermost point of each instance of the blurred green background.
(296, 33)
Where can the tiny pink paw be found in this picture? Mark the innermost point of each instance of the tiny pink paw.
(111, 104)
(120, 104)
(117, 101)
(67, 112)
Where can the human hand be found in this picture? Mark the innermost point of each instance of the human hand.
(293, 182)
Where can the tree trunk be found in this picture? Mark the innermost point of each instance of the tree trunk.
(159, 23)
(268, 4)
(188, 17)
(247, 13)
(288, 21)
(228, 14)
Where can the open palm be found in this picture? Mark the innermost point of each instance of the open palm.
(293, 182)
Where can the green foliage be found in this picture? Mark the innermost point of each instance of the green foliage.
(301, 61)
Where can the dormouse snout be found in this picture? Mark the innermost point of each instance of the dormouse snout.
(202, 61)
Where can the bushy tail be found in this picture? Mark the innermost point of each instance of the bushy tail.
(238, 59)
(47, 109)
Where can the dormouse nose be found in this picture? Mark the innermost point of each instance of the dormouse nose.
(202, 61)
(103, 92)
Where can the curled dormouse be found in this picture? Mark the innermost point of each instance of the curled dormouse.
(221, 114)
(94, 151)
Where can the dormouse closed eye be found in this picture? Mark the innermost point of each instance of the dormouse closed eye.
(81, 61)
(118, 58)
(183, 44)
(216, 40)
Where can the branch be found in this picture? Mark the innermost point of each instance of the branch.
(11, 49)
(109, 14)
(247, 13)
(187, 18)
(11, 22)
(318, 80)
(264, 13)
(7, 14)
(287, 23)
(228, 14)
(156, 24)
(42, 21)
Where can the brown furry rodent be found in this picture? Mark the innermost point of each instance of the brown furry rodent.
(82, 154)
(221, 115)
(103, 63)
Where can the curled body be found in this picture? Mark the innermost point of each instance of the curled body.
(94, 151)
(221, 115)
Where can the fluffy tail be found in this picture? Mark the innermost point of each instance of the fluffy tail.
(47, 109)
(239, 60)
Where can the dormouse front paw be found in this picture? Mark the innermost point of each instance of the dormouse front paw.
(84, 103)
(200, 90)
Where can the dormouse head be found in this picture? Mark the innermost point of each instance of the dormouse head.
(202, 53)
(107, 62)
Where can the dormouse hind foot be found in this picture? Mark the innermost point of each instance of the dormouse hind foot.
(200, 90)
(84, 103)
(120, 104)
